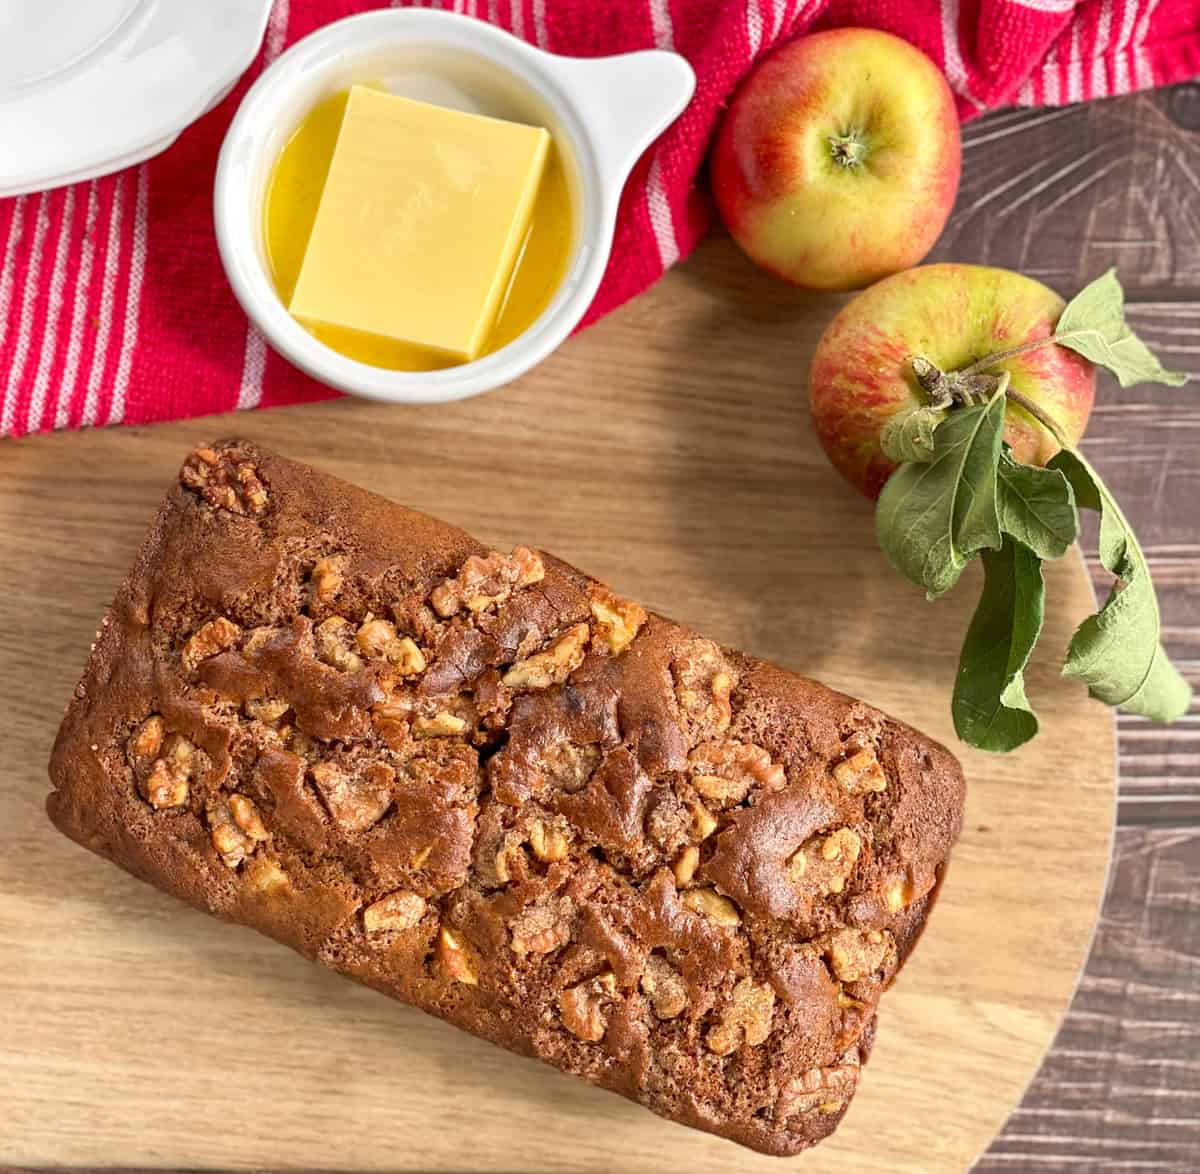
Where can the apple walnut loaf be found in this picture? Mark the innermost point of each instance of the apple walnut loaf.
(488, 786)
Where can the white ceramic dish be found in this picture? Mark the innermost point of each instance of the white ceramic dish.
(603, 113)
(88, 87)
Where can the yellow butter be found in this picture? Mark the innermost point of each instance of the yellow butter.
(422, 218)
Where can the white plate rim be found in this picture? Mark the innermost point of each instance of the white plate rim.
(165, 121)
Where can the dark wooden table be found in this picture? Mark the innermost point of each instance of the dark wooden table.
(1061, 195)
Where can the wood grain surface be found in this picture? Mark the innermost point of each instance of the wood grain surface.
(1063, 194)
(668, 451)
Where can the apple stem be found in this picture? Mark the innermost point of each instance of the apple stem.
(1003, 356)
(848, 149)
(973, 385)
(1039, 414)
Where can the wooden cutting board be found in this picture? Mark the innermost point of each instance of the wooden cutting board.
(668, 451)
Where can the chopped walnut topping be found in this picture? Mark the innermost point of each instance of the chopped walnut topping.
(266, 875)
(374, 636)
(335, 644)
(898, 894)
(230, 844)
(266, 709)
(236, 829)
(819, 1090)
(164, 764)
(570, 766)
(356, 802)
(746, 1020)
(584, 1007)
(378, 639)
(245, 815)
(326, 579)
(712, 905)
(685, 865)
(146, 741)
(300, 743)
(256, 638)
(703, 687)
(510, 850)
(552, 667)
(855, 954)
(860, 774)
(664, 987)
(550, 842)
(824, 863)
(721, 791)
(704, 823)
(252, 491)
(455, 959)
(542, 928)
(224, 481)
(549, 839)
(399, 910)
(725, 770)
(216, 636)
(618, 621)
(166, 787)
(407, 657)
(484, 583)
(390, 720)
(441, 725)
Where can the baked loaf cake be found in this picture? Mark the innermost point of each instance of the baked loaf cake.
(488, 786)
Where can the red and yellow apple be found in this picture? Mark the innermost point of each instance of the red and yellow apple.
(954, 316)
(838, 159)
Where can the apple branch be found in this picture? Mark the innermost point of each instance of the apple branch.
(974, 385)
(1039, 414)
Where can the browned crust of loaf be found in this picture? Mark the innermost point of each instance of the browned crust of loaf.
(668, 867)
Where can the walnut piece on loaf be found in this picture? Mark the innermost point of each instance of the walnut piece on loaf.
(486, 784)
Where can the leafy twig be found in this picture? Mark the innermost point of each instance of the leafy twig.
(958, 493)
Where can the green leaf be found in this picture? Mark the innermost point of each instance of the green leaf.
(908, 435)
(931, 518)
(1037, 507)
(1094, 325)
(989, 706)
(1117, 650)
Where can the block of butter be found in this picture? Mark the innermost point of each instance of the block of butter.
(421, 221)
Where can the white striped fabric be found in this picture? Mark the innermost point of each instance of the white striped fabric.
(54, 307)
(133, 299)
(108, 297)
(83, 291)
(24, 324)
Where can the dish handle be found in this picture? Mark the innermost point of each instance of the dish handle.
(626, 101)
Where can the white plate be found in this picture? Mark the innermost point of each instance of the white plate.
(90, 86)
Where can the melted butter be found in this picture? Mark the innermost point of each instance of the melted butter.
(294, 194)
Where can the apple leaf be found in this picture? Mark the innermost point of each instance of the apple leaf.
(1093, 324)
(931, 518)
(989, 706)
(1037, 507)
(1117, 652)
(908, 435)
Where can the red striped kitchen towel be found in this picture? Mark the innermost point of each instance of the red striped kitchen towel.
(114, 307)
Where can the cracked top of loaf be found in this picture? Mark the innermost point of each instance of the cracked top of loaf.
(484, 783)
